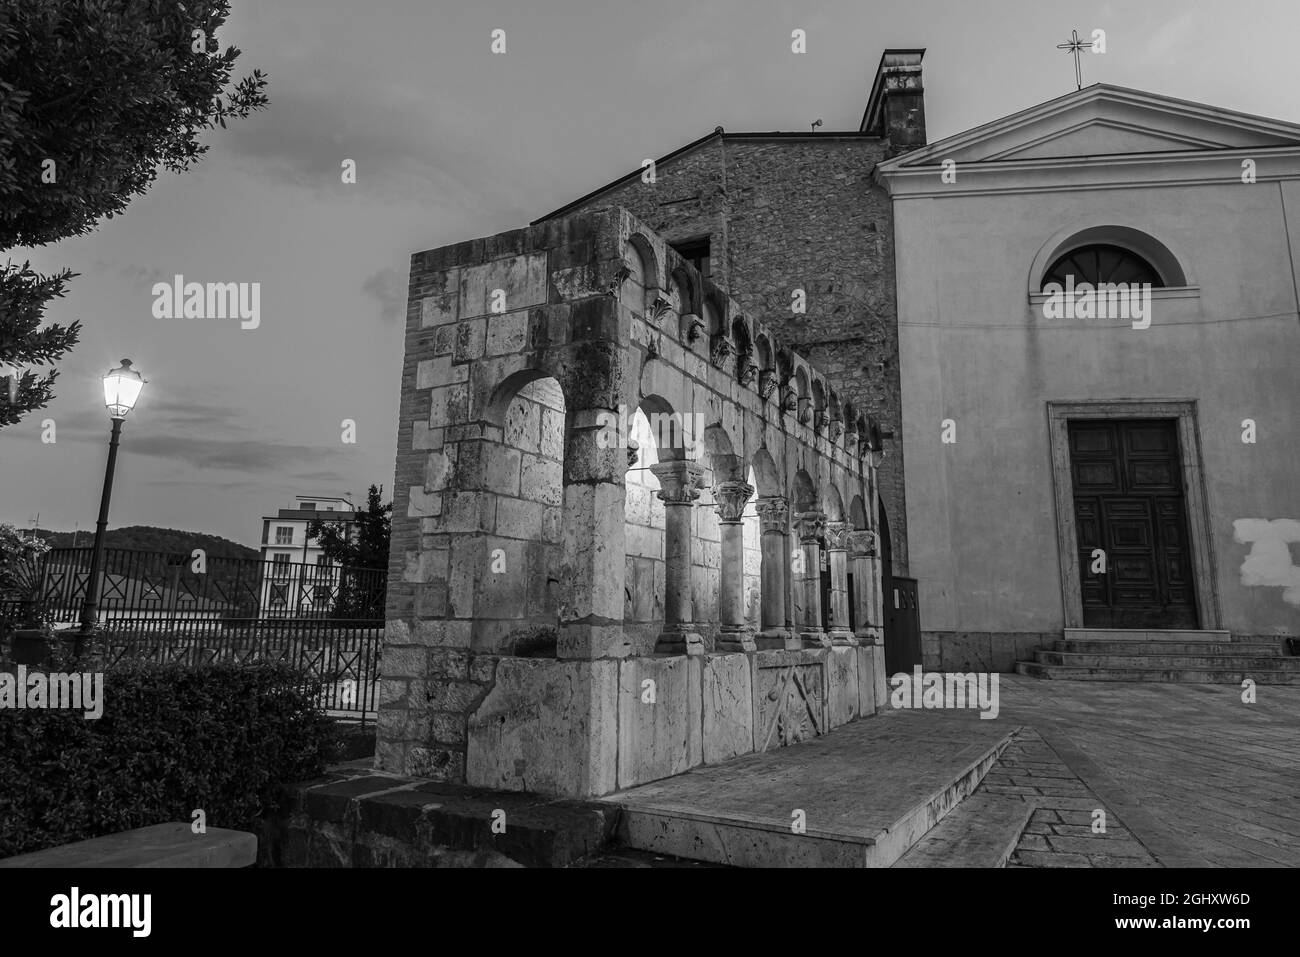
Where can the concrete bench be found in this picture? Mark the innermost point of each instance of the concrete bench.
(160, 845)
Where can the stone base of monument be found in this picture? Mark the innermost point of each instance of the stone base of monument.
(860, 797)
(588, 728)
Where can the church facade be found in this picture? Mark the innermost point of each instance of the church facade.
(1099, 343)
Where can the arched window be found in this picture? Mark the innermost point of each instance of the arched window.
(1102, 263)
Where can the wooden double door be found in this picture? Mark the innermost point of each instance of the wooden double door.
(1130, 505)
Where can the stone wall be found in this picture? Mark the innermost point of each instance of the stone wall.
(518, 516)
(786, 213)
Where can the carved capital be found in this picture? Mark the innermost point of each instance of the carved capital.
(862, 544)
(773, 514)
(836, 430)
(721, 352)
(694, 327)
(766, 384)
(659, 309)
(679, 482)
(745, 372)
(805, 410)
(820, 420)
(837, 536)
(633, 452)
(790, 398)
(731, 498)
(615, 285)
(809, 526)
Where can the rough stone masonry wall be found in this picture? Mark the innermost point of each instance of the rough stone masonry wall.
(803, 213)
(458, 700)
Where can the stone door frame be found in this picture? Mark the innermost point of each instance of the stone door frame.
(1195, 500)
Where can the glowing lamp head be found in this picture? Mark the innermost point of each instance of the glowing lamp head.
(121, 388)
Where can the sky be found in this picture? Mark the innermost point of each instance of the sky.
(453, 142)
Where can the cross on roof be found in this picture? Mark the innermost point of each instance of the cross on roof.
(1076, 46)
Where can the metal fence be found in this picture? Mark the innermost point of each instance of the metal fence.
(154, 606)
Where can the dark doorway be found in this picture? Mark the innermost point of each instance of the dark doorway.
(902, 619)
(1129, 503)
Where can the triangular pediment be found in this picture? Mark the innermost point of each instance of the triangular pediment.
(1104, 120)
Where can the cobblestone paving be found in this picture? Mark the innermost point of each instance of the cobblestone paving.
(1060, 832)
(1191, 774)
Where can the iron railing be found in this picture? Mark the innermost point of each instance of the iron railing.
(156, 606)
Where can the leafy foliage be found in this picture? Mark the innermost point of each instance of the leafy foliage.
(20, 573)
(362, 545)
(95, 98)
(229, 739)
(24, 295)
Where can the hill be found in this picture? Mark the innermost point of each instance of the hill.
(149, 538)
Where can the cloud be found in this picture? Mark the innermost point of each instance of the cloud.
(248, 455)
(388, 288)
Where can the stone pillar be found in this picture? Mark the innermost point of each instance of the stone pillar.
(837, 541)
(735, 634)
(679, 487)
(592, 568)
(775, 631)
(867, 596)
(810, 526)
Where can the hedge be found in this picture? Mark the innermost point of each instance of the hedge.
(229, 739)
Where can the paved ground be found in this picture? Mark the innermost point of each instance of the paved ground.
(1188, 775)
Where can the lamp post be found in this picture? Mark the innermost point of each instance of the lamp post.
(121, 389)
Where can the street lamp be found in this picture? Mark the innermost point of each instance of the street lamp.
(121, 389)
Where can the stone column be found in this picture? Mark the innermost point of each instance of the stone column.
(775, 631)
(867, 596)
(592, 567)
(679, 487)
(837, 541)
(810, 526)
(735, 634)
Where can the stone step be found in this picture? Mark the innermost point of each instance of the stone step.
(1145, 634)
(160, 845)
(864, 794)
(1251, 649)
(1034, 669)
(371, 819)
(1180, 662)
(982, 831)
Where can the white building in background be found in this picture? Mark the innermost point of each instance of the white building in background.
(300, 578)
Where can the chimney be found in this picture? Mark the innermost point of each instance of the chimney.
(896, 107)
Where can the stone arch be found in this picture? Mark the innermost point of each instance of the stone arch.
(508, 388)
(684, 292)
(804, 493)
(714, 322)
(831, 503)
(721, 456)
(819, 414)
(858, 513)
(671, 435)
(1168, 264)
(516, 562)
(767, 479)
(641, 287)
(743, 341)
